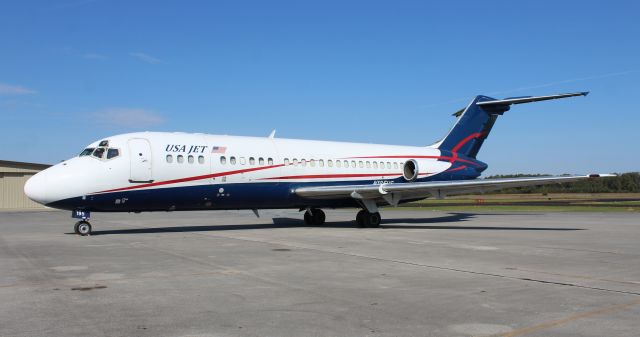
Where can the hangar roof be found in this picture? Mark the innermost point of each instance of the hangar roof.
(7, 166)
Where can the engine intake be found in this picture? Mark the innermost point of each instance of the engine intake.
(410, 170)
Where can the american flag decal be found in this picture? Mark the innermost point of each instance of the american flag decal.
(219, 149)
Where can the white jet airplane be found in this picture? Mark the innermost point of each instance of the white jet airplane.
(159, 171)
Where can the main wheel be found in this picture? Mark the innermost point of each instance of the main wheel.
(360, 218)
(318, 217)
(308, 218)
(373, 219)
(82, 228)
(314, 217)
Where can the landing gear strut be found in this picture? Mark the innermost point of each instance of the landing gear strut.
(82, 227)
(314, 217)
(368, 219)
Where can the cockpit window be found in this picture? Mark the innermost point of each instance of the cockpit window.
(112, 153)
(86, 152)
(104, 143)
(99, 152)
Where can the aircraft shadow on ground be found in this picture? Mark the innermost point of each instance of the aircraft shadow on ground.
(393, 223)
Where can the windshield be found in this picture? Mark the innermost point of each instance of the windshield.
(86, 152)
(98, 152)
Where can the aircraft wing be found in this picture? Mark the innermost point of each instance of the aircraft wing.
(395, 192)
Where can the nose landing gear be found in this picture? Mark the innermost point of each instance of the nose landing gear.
(82, 227)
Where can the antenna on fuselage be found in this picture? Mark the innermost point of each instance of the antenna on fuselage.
(272, 134)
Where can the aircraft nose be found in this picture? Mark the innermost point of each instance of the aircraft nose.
(36, 188)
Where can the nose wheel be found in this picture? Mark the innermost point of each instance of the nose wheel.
(82, 228)
(368, 219)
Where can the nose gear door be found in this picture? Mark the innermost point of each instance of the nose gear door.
(140, 161)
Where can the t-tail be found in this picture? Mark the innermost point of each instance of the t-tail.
(476, 120)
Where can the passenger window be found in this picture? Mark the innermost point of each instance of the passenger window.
(321, 163)
(395, 165)
(286, 161)
(330, 163)
(242, 161)
(375, 164)
(353, 163)
(303, 162)
(200, 159)
(223, 160)
(169, 159)
(190, 159)
(270, 161)
(180, 159)
(312, 163)
(261, 161)
(112, 153)
(346, 164)
(382, 165)
(232, 160)
(360, 164)
(295, 161)
(252, 161)
(98, 153)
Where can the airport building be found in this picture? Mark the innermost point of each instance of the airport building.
(13, 175)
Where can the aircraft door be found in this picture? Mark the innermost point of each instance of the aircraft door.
(140, 161)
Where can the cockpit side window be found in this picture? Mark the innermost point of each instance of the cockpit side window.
(112, 153)
(99, 152)
(86, 152)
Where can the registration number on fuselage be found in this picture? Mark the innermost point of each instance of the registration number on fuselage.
(380, 182)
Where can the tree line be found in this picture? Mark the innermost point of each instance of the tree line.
(623, 183)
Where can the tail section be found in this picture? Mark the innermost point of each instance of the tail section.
(476, 120)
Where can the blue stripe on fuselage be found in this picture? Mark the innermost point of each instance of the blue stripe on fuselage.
(259, 195)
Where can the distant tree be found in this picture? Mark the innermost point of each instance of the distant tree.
(623, 183)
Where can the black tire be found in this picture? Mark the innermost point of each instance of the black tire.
(373, 220)
(318, 217)
(308, 219)
(360, 221)
(82, 228)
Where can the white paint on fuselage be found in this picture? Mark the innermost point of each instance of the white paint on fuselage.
(82, 176)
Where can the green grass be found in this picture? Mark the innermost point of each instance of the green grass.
(516, 208)
(567, 202)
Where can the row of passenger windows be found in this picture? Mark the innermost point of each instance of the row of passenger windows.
(243, 161)
(180, 159)
(314, 162)
(302, 162)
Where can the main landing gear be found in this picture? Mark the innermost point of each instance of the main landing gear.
(82, 227)
(368, 219)
(314, 217)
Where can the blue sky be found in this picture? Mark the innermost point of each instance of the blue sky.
(75, 71)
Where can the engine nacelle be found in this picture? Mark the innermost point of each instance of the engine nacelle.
(410, 170)
(413, 168)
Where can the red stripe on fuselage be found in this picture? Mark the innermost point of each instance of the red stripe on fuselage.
(450, 159)
(182, 180)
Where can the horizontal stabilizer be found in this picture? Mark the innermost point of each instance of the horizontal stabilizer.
(529, 99)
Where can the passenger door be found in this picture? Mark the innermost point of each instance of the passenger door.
(140, 161)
